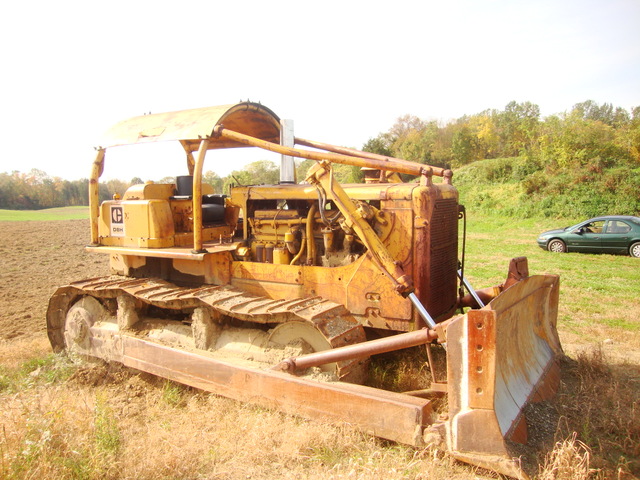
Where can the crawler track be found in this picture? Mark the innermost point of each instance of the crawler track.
(332, 320)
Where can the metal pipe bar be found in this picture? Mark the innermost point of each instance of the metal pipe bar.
(422, 311)
(358, 153)
(197, 197)
(408, 168)
(287, 164)
(94, 194)
(486, 295)
(470, 289)
(358, 350)
(432, 367)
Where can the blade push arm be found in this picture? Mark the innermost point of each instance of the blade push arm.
(321, 174)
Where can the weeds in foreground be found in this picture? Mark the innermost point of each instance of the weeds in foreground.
(107, 434)
(82, 431)
(569, 460)
(48, 369)
(172, 393)
(400, 371)
(599, 430)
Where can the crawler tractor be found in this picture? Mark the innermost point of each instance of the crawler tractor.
(281, 294)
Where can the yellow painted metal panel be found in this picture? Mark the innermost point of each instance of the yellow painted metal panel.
(189, 126)
(149, 191)
(160, 219)
(136, 223)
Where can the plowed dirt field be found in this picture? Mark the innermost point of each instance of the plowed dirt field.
(37, 257)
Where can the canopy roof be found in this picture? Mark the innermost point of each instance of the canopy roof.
(190, 126)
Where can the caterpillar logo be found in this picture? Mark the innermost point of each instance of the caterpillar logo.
(117, 221)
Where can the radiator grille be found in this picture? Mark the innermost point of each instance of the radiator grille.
(444, 256)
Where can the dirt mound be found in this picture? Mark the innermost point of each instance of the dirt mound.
(100, 374)
(37, 258)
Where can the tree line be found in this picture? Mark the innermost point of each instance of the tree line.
(588, 140)
(581, 163)
(36, 190)
(587, 134)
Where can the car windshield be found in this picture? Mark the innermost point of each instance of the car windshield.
(573, 227)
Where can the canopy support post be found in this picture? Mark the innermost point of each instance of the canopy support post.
(197, 197)
(94, 194)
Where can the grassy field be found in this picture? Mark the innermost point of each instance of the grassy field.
(63, 420)
(47, 214)
(598, 293)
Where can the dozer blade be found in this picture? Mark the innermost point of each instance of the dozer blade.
(499, 359)
(389, 415)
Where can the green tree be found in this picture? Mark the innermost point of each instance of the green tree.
(442, 155)
(629, 136)
(406, 139)
(111, 187)
(518, 127)
(214, 180)
(605, 113)
(572, 141)
(262, 172)
(7, 191)
(485, 127)
(348, 173)
(464, 146)
(378, 145)
(302, 167)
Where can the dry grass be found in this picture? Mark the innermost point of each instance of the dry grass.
(598, 434)
(16, 352)
(569, 460)
(111, 423)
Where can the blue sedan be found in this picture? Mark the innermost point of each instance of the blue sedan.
(611, 234)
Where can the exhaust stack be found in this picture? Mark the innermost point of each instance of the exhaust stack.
(287, 164)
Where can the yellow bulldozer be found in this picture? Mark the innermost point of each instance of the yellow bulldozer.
(281, 294)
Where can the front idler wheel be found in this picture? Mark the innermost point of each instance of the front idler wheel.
(78, 322)
(296, 338)
(299, 338)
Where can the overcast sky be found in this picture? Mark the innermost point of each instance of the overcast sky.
(344, 71)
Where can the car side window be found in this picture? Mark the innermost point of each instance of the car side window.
(617, 226)
(594, 227)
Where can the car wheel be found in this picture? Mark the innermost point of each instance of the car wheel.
(634, 250)
(557, 246)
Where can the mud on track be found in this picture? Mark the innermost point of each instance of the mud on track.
(37, 257)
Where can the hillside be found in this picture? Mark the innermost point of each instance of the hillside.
(519, 187)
